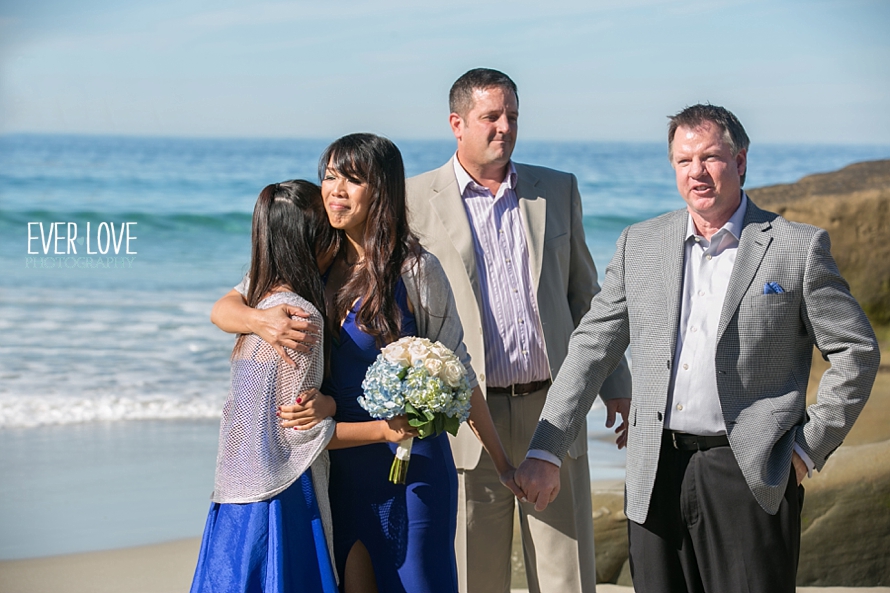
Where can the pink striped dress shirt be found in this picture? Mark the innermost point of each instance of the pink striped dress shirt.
(514, 344)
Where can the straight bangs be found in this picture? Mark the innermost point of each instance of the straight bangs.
(343, 156)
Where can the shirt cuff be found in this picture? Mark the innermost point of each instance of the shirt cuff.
(545, 456)
(803, 455)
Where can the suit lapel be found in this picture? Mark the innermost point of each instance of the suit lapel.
(533, 209)
(673, 247)
(449, 206)
(753, 244)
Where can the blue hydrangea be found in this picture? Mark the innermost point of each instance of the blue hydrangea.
(389, 385)
(383, 396)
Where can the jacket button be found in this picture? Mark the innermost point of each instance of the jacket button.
(482, 378)
(659, 414)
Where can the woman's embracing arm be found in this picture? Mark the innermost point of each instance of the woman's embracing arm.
(282, 326)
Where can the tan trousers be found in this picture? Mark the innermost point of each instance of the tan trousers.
(557, 543)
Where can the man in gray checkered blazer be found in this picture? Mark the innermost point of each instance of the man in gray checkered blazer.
(721, 304)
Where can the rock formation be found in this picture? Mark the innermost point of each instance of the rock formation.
(853, 205)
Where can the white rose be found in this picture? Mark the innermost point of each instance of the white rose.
(418, 352)
(396, 353)
(441, 351)
(453, 373)
(433, 366)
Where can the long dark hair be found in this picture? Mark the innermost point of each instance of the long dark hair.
(290, 229)
(388, 242)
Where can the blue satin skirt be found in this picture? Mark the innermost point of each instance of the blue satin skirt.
(274, 546)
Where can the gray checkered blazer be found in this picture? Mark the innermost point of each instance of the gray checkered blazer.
(764, 350)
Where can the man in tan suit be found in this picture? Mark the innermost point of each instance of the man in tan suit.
(511, 240)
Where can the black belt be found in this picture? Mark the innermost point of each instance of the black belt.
(682, 441)
(521, 388)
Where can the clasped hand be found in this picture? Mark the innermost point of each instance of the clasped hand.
(310, 408)
(538, 480)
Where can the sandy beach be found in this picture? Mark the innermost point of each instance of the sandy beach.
(166, 568)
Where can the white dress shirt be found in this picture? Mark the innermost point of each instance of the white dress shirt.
(693, 404)
(693, 400)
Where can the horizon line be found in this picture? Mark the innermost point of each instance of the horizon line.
(524, 140)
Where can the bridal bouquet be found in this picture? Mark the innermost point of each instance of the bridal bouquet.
(423, 380)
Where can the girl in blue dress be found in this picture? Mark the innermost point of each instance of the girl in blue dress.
(268, 528)
(382, 286)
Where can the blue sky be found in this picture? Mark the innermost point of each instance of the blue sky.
(793, 71)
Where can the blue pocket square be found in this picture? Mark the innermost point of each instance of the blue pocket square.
(772, 288)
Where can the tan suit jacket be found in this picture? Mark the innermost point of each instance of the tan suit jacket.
(561, 268)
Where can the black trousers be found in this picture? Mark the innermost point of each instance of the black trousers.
(705, 532)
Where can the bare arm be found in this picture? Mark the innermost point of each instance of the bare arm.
(482, 425)
(283, 326)
(354, 434)
(313, 406)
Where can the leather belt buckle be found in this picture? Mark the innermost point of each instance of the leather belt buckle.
(520, 389)
(691, 442)
(527, 388)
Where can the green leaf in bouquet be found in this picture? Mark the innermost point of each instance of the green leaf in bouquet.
(411, 412)
(451, 424)
(417, 422)
(415, 417)
(426, 429)
(439, 423)
(401, 374)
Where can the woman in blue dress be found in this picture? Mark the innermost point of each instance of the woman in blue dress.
(382, 286)
(270, 504)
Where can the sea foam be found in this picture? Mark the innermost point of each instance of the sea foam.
(29, 411)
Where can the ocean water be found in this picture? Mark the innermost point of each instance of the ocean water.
(94, 338)
(115, 336)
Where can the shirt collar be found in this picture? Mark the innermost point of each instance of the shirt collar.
(464, 179)
(733, 225)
